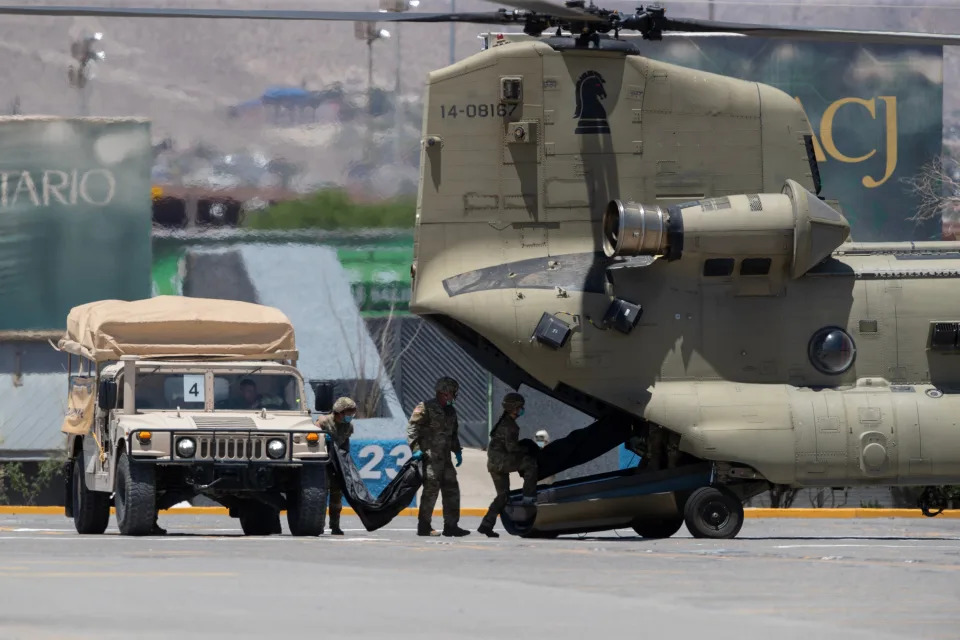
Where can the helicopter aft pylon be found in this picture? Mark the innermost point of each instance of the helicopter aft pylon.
(647, 244)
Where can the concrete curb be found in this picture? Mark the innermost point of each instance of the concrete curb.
(473, 512)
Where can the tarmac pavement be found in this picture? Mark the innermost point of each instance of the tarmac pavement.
(877, 578)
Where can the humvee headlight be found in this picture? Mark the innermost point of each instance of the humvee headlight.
(144, 436)
(186, 447)
(276, 448)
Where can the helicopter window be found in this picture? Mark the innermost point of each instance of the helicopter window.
(812, 160)
(718, 267)
(755, 266)
(831, 350)
(511, 89)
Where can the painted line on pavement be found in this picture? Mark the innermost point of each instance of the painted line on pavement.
(178, 538)
(750, 512)
(117, 574)
(871, 546)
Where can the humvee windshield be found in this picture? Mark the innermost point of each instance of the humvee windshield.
(242, 391)
(236, 391)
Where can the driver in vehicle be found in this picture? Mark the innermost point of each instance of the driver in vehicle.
(250, 398)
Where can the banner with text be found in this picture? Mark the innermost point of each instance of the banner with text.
(378, 462)
(876, 112)
(75, 216)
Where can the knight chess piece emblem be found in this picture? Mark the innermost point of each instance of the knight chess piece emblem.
(592, 116)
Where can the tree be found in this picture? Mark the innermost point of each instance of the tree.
(818, 497)
(367, 389)
(782, 496)
(937, 188)
(15, 482)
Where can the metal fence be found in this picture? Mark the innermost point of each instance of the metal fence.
(416, 353)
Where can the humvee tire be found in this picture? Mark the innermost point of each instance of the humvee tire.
(307, 505)
(713, 512)
(135, 496)
(653, 529)
(91, 509)
(258, 519)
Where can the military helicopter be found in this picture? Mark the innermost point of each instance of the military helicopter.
(648, 244)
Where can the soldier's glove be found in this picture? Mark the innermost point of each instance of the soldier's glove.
(326, 438)
(416, 455)
(459, 456)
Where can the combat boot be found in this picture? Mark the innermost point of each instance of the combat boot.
(488, 531)
(453, 531)
(426, 530)
(335, 529)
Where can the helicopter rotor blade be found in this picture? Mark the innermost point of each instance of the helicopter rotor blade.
(545, 8)
(493, 17)
(815, 34)
(651, 22)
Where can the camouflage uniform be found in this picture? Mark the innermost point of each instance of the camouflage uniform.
(340, 433)
(505, 454)
(662, 450)
(434, 430)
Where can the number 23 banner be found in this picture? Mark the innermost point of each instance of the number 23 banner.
(379, 461)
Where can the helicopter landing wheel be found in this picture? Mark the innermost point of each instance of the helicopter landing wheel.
(713, 512)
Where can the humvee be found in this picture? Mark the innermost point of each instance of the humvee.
(173, 397)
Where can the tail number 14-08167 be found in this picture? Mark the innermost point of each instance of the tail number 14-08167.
(477, 110)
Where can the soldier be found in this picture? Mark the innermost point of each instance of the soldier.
(432, 434)
(337, 430)
(506, 454)
(250, 398)
(662, 450)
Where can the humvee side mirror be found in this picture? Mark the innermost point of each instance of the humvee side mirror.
(107, 395)
(323, 396)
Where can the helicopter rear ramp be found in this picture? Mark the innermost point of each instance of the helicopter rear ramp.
(652, 501)
(619, 499)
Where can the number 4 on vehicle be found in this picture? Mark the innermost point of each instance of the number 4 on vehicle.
(193, 389)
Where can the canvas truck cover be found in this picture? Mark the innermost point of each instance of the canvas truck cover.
(167, 326)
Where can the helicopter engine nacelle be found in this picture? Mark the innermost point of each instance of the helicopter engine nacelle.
(794, 224)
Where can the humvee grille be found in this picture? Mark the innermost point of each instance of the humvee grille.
(233, 446)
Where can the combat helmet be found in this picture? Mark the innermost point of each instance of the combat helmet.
(344, 404)
(512, 401)
(447, 385)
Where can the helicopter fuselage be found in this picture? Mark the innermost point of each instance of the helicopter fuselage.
(763, 340)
